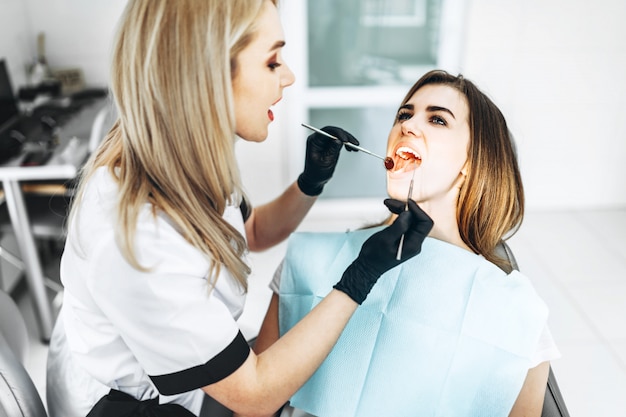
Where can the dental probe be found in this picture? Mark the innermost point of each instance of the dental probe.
(388, 161)
(406, 207)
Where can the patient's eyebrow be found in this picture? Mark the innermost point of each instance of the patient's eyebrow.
(429, 109)
(439, 108)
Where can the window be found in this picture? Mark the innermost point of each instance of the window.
(371, 42)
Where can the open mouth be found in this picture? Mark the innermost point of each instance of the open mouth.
(406, 158)
(270, 111)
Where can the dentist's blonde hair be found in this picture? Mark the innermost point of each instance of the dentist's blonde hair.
(173, 143)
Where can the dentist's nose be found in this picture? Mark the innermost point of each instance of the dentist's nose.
(288, 77)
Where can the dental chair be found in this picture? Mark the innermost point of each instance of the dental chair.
(18, 395)
(553, 403)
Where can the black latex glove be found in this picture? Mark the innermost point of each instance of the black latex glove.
(378, 253)
(322, 154)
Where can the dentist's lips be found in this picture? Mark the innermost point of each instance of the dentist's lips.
(406, 158)
(270, 113)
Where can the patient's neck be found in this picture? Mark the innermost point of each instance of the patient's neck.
(446, 227)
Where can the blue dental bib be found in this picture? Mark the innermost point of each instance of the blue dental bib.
(446, 333)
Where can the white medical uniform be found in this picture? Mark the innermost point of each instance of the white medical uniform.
(160, 332)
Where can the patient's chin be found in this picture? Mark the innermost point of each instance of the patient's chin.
(397, 191)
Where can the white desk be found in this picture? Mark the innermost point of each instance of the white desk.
(64, 164)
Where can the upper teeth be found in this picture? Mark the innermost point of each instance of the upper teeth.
(403, 150)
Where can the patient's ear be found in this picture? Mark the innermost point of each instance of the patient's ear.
(462, 176)
(464, 169)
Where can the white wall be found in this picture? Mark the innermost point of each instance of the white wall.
(16, 43)
(555, 67)
(557, 70)
(78, 35)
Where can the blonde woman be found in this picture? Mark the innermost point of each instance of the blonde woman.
(154, 267)
(454, 331)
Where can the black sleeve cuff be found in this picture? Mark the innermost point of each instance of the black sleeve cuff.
(245, 208)
(219, 367)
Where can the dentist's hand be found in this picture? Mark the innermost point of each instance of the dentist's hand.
(378, 253)
(322, 154)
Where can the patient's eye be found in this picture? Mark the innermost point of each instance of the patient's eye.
(403, 115)
(439, 120)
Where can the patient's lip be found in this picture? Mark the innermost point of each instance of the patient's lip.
(406, 157)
